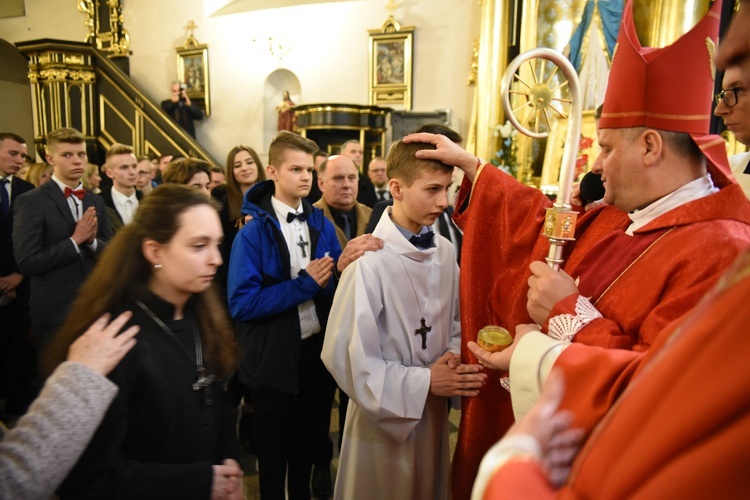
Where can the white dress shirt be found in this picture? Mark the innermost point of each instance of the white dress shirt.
(76, 208)
(297, 232)
(125, 205)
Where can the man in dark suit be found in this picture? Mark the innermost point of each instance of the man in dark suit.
(58, 231)
(315, 193)
(16, 360)
(122, 198)
(376, 171)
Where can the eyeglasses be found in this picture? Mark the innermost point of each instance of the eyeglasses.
(729, 96)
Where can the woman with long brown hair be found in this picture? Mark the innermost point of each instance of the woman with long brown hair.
(244, 170)
(169, 432)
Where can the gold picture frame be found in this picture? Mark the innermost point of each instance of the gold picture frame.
(192, 70)
(390, 68)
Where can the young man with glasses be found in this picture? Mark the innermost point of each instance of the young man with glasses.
(145, 184)
(733, 106)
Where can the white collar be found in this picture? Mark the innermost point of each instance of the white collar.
(121, 198)
(397, 241)
(282, 209)
(693, 190)
(62, 185)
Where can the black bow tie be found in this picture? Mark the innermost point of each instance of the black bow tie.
(422, 241)
(290, 216)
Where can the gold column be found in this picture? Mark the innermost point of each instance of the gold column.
(493, 58)
(660, 22)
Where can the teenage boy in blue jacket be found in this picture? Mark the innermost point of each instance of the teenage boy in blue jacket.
(280, 287)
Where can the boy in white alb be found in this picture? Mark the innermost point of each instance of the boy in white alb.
(392, 344)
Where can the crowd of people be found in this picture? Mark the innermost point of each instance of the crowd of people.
(183, 297)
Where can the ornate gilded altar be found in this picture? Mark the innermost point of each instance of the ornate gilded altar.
(330, 125)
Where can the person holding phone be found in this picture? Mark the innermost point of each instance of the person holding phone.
(181, 109)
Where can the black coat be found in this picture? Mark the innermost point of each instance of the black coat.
(183, 114)
(229, 227)
(158, 439)
(7, 260)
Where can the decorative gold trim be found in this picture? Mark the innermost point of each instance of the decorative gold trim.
(73, 59)
(711, 47)
(712, 143)
(630, 114)
(339, 109)
(474, 66)
(116, 41)
(105, 103)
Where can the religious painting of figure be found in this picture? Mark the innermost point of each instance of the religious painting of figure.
(193, 76)
(390, 63)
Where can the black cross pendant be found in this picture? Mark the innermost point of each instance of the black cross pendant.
(302, 244)
(422, 330)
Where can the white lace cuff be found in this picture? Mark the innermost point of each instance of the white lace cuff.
(565, 326)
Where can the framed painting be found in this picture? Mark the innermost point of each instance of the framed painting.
(192, 70)
(390, 65)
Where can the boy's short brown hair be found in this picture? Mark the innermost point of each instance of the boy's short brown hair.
(285, 141)
(182, 170)
(65, 135)
(401, 162)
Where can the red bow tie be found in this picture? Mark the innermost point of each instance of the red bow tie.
(79, 193)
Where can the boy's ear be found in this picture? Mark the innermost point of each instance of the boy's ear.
(271, 172)
(396, 189)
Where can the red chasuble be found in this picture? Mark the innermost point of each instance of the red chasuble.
(675, 260)
(673, 422)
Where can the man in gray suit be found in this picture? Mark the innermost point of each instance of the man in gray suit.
(58, 231)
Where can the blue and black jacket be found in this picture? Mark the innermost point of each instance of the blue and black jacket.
(263, 297)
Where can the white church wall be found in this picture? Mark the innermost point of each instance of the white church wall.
(324, 45)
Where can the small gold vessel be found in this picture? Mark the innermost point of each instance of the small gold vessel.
(494, 338)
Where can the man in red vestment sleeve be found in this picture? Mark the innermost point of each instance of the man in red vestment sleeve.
(672, 422)
(675, 222)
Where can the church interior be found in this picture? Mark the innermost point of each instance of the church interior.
(322, 54)
(104, 67)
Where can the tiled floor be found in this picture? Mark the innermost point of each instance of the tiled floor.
(250, 483)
